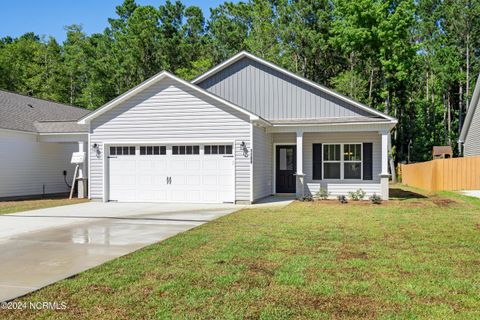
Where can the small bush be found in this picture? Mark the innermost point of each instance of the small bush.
(376, 199)
(306, 198)
(322, 194)
(357, 195)
(342, 199)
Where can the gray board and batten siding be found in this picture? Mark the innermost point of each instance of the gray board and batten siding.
(274, 95)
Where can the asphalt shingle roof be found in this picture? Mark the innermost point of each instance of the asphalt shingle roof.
(24, 113)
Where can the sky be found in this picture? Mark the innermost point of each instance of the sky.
(49, 17)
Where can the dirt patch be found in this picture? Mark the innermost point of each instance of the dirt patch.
(444, 202)
(346, 255)
(346, 306)
(100, 288)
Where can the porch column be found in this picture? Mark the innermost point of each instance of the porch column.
(384, 175)
(300, 190)
(82, 170)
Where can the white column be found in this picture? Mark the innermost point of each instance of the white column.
(82, 170)
(300, 175)
(384, 134)
(384, 175)
(299, 152)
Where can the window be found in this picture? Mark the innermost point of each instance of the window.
(153, 150)
(180, 150)
(122, 151)
(286, 159)
(342, 161)
(352, 157)
(332, 161)
(218, 149)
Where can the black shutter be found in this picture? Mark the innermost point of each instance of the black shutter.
(368, 161)
(317, 161)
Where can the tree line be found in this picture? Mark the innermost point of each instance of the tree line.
(417, 60)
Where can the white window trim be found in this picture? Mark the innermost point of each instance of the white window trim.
(342, 161)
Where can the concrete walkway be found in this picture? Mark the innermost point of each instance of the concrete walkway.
(40, 247)
(471, 193)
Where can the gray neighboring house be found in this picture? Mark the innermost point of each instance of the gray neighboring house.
(470, 135)
(242, 131)
(37, 138)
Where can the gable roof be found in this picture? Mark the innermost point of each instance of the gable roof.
(294, 76)
(471, 111)
(151, 81)
(19, 112)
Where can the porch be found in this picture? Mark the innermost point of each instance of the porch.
(340, 159)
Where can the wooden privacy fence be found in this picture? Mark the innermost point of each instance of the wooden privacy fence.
(443, 174)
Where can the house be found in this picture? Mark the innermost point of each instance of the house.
(442, 152)
(470, 134)
(37, 138)
(242, 131)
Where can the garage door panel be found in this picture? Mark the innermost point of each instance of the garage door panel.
(171, 177)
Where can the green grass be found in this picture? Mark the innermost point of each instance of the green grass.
(24, 205)
(416, 257)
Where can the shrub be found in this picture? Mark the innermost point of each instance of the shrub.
(322, 194)
(357, 195)
(342, 199)
(376, 199)
(306, 198)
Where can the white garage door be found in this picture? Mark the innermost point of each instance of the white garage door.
(171, 173)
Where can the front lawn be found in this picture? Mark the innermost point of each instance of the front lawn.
(24, 205)
(413, 257)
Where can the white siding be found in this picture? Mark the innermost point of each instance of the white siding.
(171, 112)
(262, 163)
(337, 187)
(472, 139)
(27, 165)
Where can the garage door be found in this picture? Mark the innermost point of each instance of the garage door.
(171, 173)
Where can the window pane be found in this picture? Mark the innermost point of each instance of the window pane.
(286, 159)
(228, 149)
(337, 152)
(214, 149)
(331, 152)
(142, 151)
(149, 150)
(352, 152)
(132, 151)
(113, 151)
(125, 150)
(189, 149)
(352, 170)
(332, 171)
(182, 149)
(221, 149)
(156, 150)
(119, 150)
(175, 150)
(163, 150)
(207, 150)
(196, 149)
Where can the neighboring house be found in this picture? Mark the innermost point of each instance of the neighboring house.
(37, 138)
(470, 135)
(242, 131)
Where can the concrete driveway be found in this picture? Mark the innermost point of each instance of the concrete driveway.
(40, 247)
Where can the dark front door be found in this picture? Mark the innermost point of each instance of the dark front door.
(286, 166)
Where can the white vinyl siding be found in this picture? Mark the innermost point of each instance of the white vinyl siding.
(169, 112)
(337, 187)
(28, 166)
(262, 163)
(472, 139)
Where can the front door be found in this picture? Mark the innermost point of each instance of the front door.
(286, 166)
